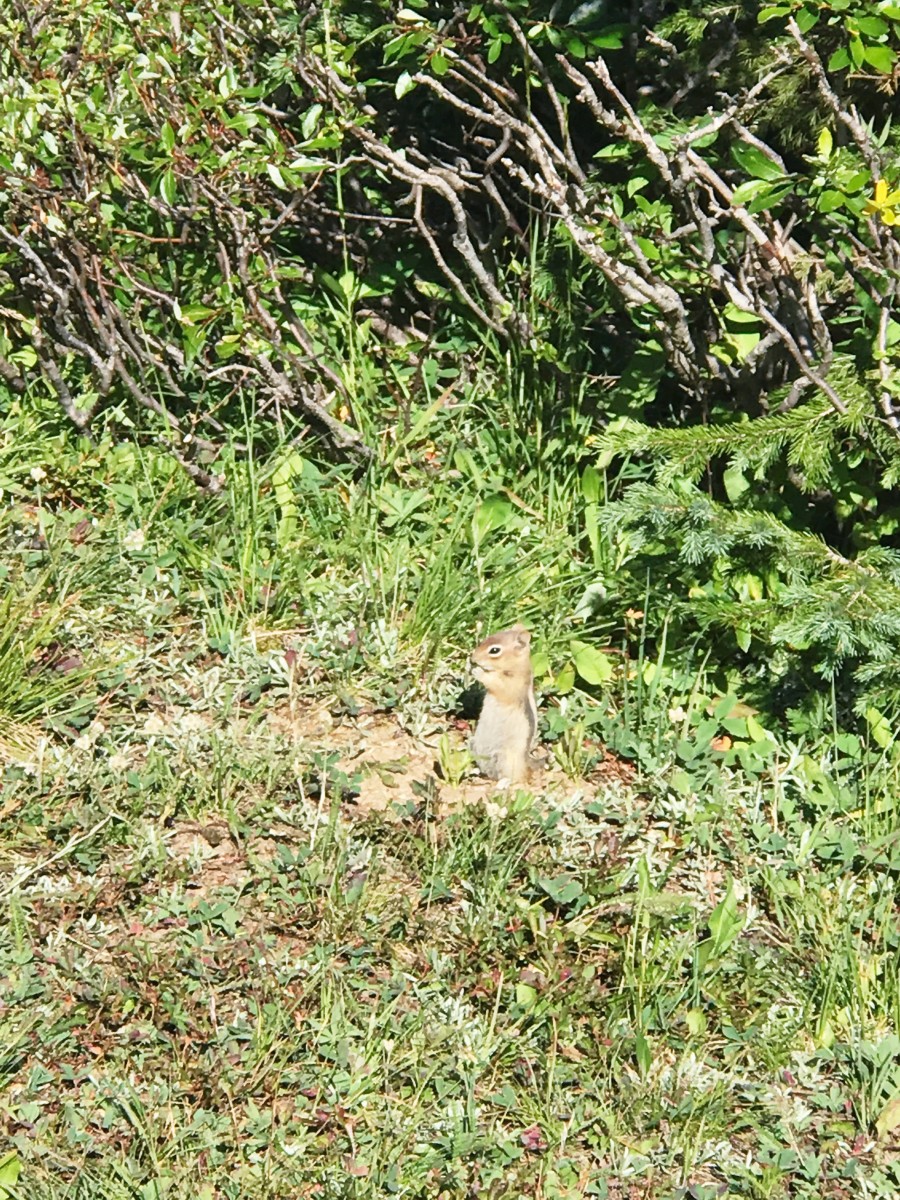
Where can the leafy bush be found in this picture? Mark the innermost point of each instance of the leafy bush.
(224, 228)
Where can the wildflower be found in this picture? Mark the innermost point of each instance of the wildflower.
(153, 726)
(90, 735)
(883, 203)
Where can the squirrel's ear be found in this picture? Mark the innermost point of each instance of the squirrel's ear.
(523, 635)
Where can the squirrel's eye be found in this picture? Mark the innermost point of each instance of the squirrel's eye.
(493, 651)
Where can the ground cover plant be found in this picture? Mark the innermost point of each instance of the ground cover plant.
(331, 338)
(260, 937)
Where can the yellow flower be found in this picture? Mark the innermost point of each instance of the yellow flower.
(883, 203)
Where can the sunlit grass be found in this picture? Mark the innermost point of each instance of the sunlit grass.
(224, 977)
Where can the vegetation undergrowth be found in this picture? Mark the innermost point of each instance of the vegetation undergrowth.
(333, 336)
(225, 973)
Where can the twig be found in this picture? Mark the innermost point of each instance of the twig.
(848, 117)
(63, 853)
(884, 371)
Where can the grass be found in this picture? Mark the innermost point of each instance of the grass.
(252, 945)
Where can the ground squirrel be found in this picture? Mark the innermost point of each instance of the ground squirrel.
(507, 727)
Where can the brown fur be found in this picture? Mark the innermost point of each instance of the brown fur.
(507, 727)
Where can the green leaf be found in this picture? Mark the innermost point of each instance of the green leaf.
(243, 122)
(736, 484)
(310, 120)
(882, 58)
(871, 26)
(399, 504)
(839, 60)
(562, 889)
(191, 314)
(167, 137)
(746, 191)
(743, 339)
(612, 40)
(540, 661)
(640, 380)
(404, 85)
(228, 83)
(879, 728)
(592, 664)
(825, 144)
(399, 46)
(309, 166)
(743, 343)
(754, 162)
(9, 1174)
(526, 995)
(439, 63)
(739, 316)
(276, 176)
(830, 201)
(747, 336)
(725, 923)
(591, 484)
(857, 51)
(773, 11)
(168, 188)
(806, 18)
(495, 49)
(755, 731)
(564, 680)
(650, 248)
(491, 514)
(695, 1019)
(773, 194)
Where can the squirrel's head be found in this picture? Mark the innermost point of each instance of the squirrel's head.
(502, 657)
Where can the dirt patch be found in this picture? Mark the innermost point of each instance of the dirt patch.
(394, 770)
(218, 861)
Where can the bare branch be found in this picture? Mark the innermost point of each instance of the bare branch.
(884, 370)
(846, 116)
